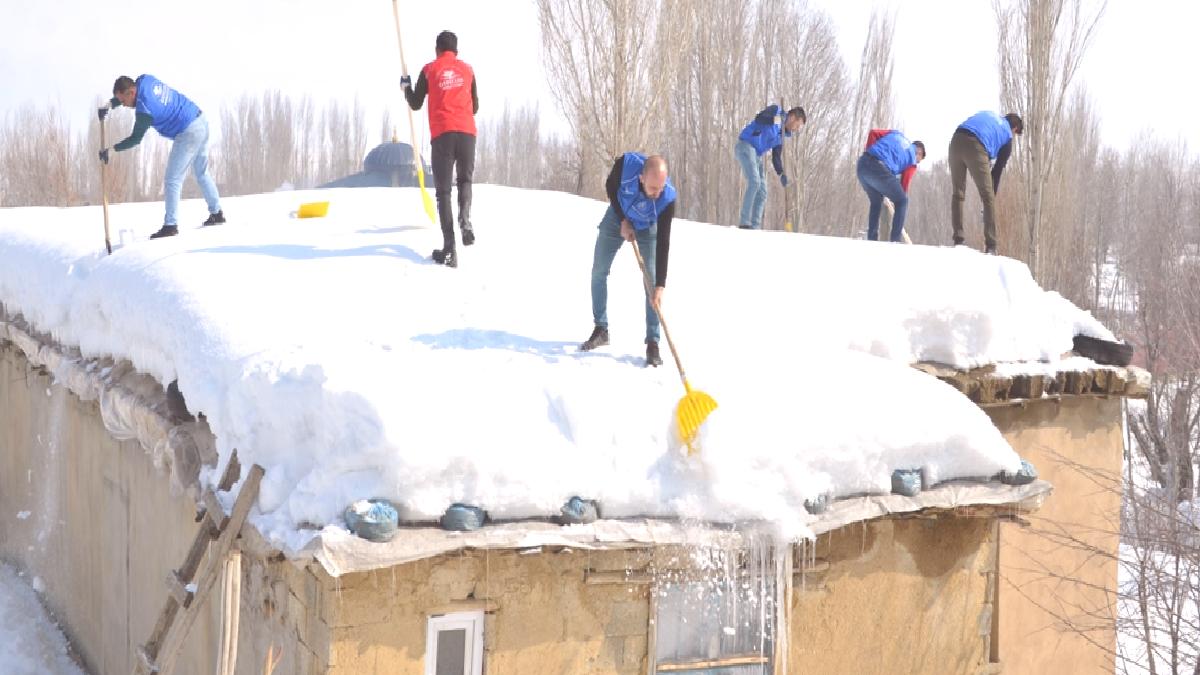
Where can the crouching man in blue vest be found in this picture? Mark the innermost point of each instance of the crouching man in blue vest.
(173, 116)
(641, 204)
(885, 169)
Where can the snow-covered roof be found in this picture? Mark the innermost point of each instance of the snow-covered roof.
(334, 354)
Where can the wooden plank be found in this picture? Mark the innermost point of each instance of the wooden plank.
(173, 644)
(617, 577)
(145, 665)
(213, 511)
(178, 590)
(731, 661)
(652, 632)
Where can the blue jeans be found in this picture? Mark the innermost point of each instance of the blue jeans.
(879, 182)
(608, 242)
(190, 148)
(755, 201)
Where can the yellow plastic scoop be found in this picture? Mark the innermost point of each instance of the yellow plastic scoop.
(695, 405)
(313, 210)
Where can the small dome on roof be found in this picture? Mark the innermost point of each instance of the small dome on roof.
(389, 156)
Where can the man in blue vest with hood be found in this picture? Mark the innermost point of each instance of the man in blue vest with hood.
(885, 169)
(759, 136)
(984, 137)
(641, 203)
(173, 116)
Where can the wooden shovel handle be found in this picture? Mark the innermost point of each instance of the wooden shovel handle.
(649, 286)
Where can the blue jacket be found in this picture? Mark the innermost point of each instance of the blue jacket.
(991, 129)
(763, 134)
(640, 210)
(171, 111)
(895, 151)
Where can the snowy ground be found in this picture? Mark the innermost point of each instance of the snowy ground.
(30, 643)
(333, 353)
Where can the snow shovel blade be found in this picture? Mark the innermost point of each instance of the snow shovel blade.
(430, 210)
(693, 409)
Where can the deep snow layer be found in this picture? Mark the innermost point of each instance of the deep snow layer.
(333, 353)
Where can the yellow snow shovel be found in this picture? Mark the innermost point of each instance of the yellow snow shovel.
(695, 405)
(429, 207)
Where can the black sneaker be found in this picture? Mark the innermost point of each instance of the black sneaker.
(652, 356)
(599, 338)
(468, 236)
(959, 241)
(445, 256)
(990, 250)
(217, 218)
(166, 231)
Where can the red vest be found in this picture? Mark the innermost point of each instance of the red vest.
(450, 104)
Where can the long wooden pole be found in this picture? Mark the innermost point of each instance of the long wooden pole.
(104, 190)
(412, 130)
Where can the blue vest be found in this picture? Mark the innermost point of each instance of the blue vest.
(895, 151)
(171, 111)
(991, 129)
(641, 211)
(762, 133)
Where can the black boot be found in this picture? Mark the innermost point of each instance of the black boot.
(166, 231)
(990, 249)
(468, 236)
(652, 356)
(445, 256)
(599, 338)
(217, 218)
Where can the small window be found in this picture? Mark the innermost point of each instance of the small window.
(454, 645)
(722, 626)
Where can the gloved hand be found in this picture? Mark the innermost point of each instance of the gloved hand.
(406, 81)
(104, 155)
(783, 179)
(102, 113)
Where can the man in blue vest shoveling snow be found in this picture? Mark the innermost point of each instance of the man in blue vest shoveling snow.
(641, 203)
(757, 137)
(173, 116)
(885, 169)
(982, 139)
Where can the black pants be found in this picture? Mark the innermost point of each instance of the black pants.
(453, 150)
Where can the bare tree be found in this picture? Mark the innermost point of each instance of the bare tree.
(1041, 44)
(608, 75)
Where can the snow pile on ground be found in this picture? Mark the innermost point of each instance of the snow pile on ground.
(333, 353)
(30, 643)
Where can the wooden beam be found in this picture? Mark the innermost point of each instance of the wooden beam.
(617, 577)
(684, 666)
(178, 590)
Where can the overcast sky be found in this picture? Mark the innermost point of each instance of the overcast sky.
(1139, 70)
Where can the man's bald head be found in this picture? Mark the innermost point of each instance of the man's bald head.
(654, 175)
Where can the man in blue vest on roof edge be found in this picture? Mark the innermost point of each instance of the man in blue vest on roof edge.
(757, 137)
(983, 138)
(885, 169)
(173, 116)
(641, 203)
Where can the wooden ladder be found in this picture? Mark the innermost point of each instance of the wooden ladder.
(186, 589)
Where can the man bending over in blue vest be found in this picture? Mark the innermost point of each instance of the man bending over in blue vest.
(985, 137)
(641, 203)
(885, 169)
(173, 116)
(759, 136)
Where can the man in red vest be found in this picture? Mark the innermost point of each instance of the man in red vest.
(453, 102)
